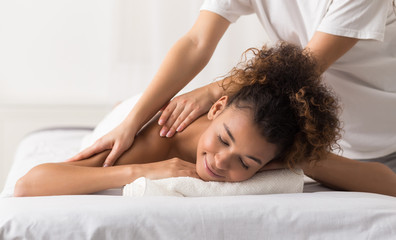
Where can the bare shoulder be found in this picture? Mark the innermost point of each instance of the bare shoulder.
(147, 147)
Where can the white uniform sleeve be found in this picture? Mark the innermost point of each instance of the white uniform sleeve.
(229, 9)
(362, 19)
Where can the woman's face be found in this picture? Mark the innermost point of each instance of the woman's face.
(231, 149)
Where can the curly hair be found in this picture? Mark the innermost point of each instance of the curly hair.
(291, 106)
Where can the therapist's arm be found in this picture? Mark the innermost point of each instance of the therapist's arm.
(345, 174)
(183, 62)
(327, 48)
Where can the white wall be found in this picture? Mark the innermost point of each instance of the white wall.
(61, 58)
(55, 51)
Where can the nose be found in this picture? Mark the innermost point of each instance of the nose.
(222, 160)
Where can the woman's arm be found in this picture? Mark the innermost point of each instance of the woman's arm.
(65, 179)
(345, 174)
(144, 158)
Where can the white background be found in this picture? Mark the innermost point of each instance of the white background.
(66, 62)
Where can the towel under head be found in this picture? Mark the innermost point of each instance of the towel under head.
(266, 182)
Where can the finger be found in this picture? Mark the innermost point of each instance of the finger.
(188, 120)
(164, 130)
(185, 121)
(170, 132)
(166, 113)
(167, 128)
(175, 114)
(183, 115)
(115, 153)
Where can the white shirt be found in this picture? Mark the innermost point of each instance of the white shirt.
(364, 78)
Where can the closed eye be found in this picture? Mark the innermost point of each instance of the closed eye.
(243, 164)
(227, 144)
(222, 141)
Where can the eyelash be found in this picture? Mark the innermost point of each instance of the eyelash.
(222, 141)
(226, 144)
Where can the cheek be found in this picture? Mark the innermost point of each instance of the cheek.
(207, 143)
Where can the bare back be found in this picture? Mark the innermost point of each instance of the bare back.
(149, 147)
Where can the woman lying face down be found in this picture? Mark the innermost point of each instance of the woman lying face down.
(275, 111)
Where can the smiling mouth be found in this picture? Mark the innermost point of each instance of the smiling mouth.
(211, 173)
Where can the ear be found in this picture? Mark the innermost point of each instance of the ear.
(217, 107)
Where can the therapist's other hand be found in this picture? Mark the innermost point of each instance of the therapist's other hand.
(118, 140)
(183, 110)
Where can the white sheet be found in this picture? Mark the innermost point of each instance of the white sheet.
(324, 215)
(319, 215)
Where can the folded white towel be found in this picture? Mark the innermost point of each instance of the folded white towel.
(267, 182)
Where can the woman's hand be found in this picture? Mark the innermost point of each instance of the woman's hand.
(174, 167)
(186, 108)
(118, 140)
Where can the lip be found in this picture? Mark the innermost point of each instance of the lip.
(210, 171)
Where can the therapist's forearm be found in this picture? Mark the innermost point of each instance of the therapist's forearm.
(179, 67)
(346, 174)
(183, 62)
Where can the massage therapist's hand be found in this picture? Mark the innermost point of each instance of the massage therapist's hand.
(184, 109)
(174, 167)
(118, 140)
